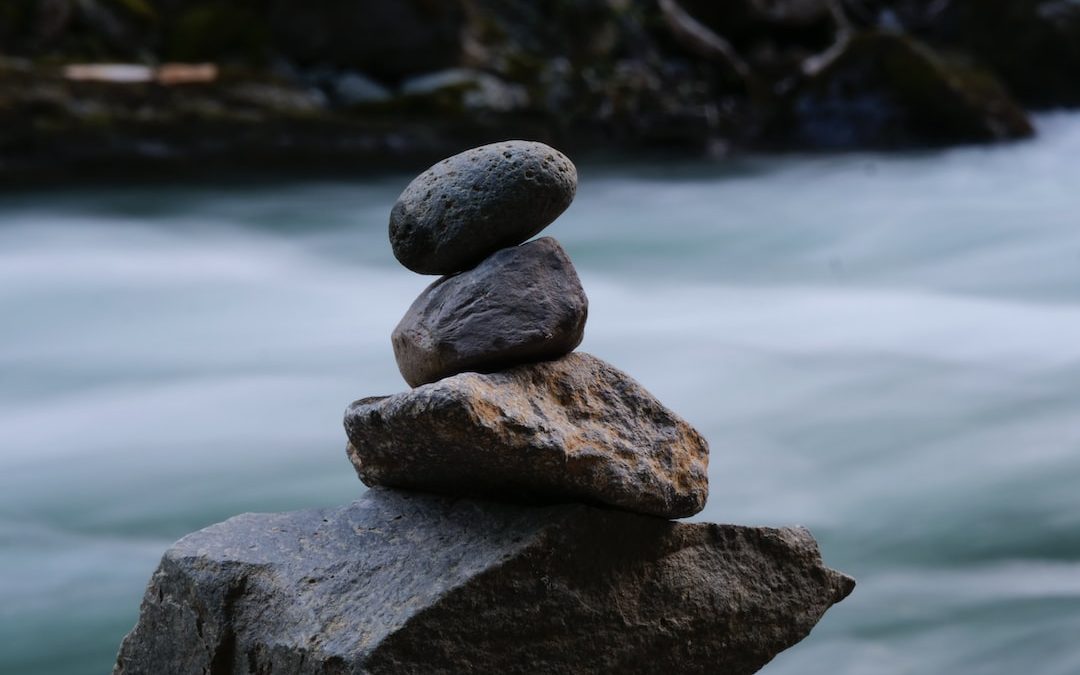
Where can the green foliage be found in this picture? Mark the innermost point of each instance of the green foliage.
(15, 18)
(140, 8)
(217, 32)
(937, 99)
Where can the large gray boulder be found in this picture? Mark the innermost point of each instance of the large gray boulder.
(408, 583)
(468, 206)
(524, 303)
(574, 429)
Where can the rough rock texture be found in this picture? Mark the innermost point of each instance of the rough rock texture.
(638, 75)
(470, 205)
(522, 304)
(575, 429)
(407, 583)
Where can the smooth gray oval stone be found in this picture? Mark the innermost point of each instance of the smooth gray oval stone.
(522, 304)
(470, 205)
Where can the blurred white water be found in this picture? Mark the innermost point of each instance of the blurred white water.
(883, 348)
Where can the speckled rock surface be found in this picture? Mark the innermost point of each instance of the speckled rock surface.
(470, 205)
(522, 304)
(408, 583)
(574, 429)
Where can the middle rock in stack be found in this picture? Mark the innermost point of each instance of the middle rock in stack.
(501, 408)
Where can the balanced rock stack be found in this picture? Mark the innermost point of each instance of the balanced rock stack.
(501, 409)
(518, 520)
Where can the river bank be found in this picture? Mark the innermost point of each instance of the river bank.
(220, 86)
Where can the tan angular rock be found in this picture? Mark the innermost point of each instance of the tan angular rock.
(574, 429)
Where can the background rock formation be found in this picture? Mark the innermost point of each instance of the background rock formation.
(414, 80)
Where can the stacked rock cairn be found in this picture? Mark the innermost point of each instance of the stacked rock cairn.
(519, 516)
(502, 408)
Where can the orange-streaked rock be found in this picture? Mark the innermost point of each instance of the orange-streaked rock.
(573, 429)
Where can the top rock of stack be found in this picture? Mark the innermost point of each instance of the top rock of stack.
(468, 206)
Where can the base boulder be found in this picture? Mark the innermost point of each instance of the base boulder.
(406, 583)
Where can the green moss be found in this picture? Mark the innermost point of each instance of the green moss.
(139, 8)
(12, 13)
(215, 32)
(523, 66)
(940, 97)
(14, 19)
(953, 94)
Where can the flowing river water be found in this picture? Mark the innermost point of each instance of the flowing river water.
(884, 348)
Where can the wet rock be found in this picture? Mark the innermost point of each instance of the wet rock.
(575, 429)
(408, 583)
(880, 89)
(344, 89)
(470, 205)
(353, 89)
(522, 304)
(273, 97)
(463, 89)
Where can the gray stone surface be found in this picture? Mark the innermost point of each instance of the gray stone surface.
(408, 583)
(359, 89)
(470, 205)
(574, 429)
(471, 89)
(522, 304)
